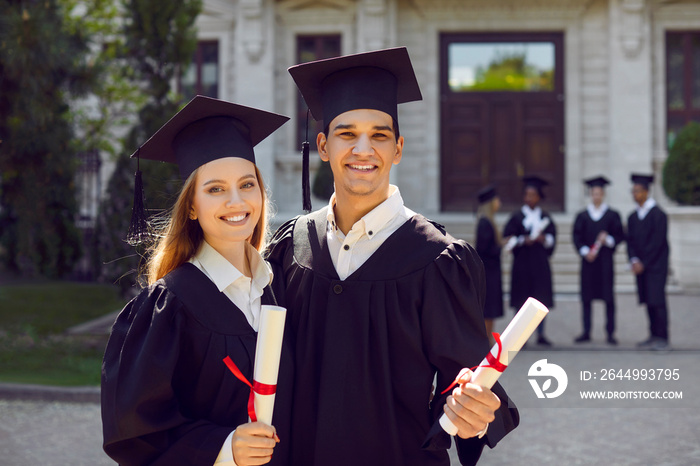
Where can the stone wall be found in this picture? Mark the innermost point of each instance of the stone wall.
(684, 239)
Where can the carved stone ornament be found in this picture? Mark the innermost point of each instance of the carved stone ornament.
(631, 27)
(253, 36)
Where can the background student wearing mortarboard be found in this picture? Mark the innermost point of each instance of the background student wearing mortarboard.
(648, 251)
(488, 245)
(597, 232)
(380, 300)
(167, 396)
(534, 236)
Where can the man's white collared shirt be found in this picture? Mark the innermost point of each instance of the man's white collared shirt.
(349, 252)
(644, 209)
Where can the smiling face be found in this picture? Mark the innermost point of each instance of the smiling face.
(361, 147)
(227, 201)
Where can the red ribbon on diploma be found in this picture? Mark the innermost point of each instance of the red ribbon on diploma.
(493, 362)
(255, 387)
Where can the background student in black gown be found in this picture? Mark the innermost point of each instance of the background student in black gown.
(597, 232)
(647, 247)
(380, 300)
(533, 245)
(167, 396)
(488, 245)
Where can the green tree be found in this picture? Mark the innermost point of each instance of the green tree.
(160, 40)
(682, 167)
(43, 63)
(510, 71)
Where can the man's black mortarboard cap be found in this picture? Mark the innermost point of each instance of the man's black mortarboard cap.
(597, 181)
(206, 129)
(644, 180)
(536, 182)
(378, 80)
(486, 193)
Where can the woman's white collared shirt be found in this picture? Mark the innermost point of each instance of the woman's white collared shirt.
(244, 292)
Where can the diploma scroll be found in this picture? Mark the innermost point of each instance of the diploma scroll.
(267, 359)
(512, 340)
(536, 231)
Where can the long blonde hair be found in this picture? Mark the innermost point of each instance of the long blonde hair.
(180, 237)
(487, 210)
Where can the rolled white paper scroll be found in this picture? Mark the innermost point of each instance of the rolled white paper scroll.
(513, 338)
(267, 358)
(537, 231)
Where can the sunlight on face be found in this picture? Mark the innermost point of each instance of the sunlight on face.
(227, 201)
(361, 147)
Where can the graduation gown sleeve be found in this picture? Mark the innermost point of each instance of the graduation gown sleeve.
(615, 228)
(578, 232)
(167, 396)
(648, 240)
(486, 244)
(489, 251)
(455, 338)
(143, 420)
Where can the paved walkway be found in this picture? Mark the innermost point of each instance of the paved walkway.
(35, 428)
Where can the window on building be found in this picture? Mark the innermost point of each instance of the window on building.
(310, 48)
(501, 66)
(202, 76)
(682, 81)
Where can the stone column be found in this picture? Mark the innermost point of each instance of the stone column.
(630, 94)
(254, 62)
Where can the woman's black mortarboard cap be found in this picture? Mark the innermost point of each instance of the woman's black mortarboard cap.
(377, 80)
(206, 129)
(597, 181)
(644, 180)
(486, 193)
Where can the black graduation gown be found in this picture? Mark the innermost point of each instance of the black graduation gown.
(167, 396)
(531, 275)
(490, 253)
(646, 240)
(597, 277)
(368, 347)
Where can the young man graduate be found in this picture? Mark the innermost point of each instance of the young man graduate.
(597, 232)
(381, 301)
(647, 247)
(534, 235)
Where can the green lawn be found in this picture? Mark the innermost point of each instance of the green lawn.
(33, 319)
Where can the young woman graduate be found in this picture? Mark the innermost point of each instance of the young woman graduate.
(488, 245)
(167, 396)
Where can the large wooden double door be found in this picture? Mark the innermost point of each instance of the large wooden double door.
(502, 116)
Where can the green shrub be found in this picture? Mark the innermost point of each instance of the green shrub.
(682, 168)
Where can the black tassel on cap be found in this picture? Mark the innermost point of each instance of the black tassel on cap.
(305, 185)
(138, 228)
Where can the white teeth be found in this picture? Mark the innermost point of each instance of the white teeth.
(362, 167)
(237, 218)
